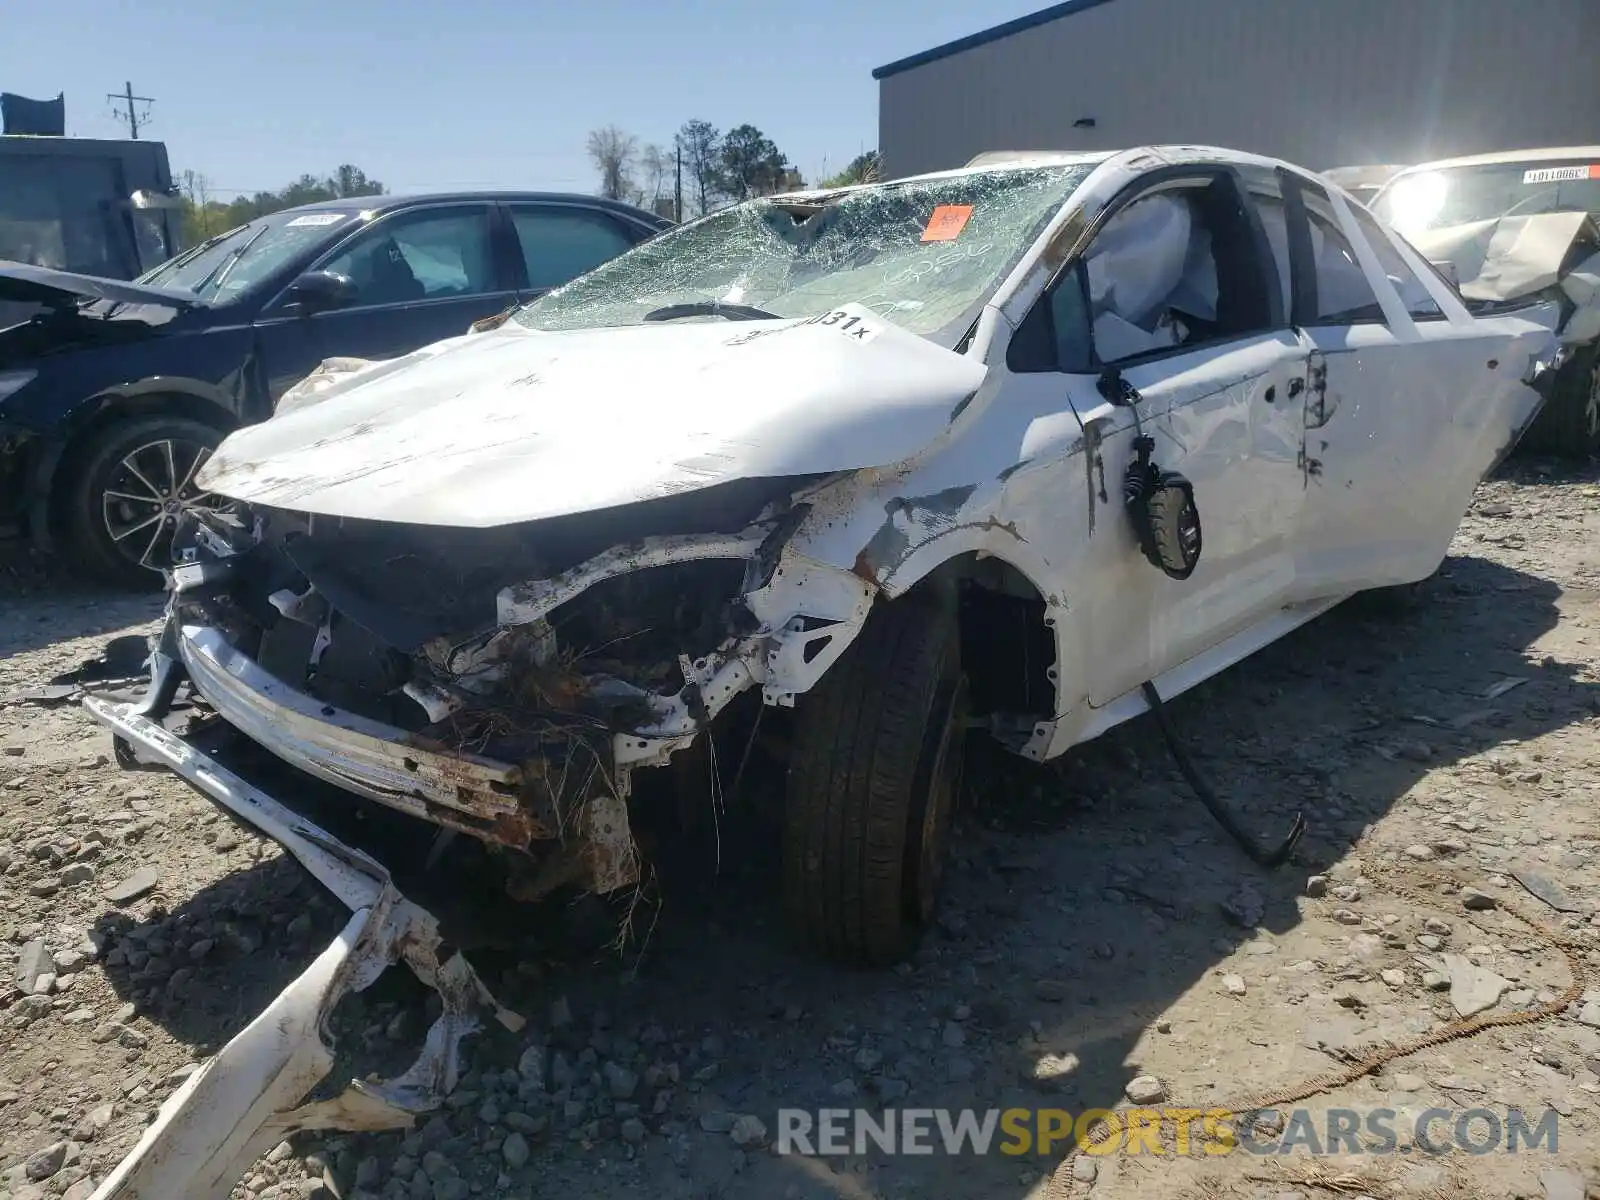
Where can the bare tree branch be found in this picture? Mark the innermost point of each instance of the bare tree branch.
(614, 154)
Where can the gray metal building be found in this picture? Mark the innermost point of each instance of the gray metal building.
(1323, 83)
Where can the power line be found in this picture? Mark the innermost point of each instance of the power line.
(131, 115)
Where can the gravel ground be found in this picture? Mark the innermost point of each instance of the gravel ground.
(1100, 934)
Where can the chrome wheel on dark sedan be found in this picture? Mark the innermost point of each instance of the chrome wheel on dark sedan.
(149, 489)
(128, 485)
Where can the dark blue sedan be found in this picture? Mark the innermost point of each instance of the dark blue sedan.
(115, 393)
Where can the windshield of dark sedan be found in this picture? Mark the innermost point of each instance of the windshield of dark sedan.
(229, 264)
(923, 253)
(1429, 200)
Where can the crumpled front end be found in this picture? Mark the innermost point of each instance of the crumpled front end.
(1515, 259)
(508, 683)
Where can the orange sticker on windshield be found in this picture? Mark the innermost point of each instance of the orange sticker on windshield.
(947, 221)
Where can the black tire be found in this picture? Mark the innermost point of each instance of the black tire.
(1569, 424)
(874, 770)
(103, 495)
(1175, 526)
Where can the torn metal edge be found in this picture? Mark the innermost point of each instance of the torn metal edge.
(248, 1097)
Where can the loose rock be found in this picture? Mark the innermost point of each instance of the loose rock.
(748, 1130)
(620, 1081)
(1146, 1089)
(1473, 989)
(44, 1163)
(515, 1150)
(35, 961)
(134, 886)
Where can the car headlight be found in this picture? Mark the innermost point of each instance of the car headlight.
(15, 381)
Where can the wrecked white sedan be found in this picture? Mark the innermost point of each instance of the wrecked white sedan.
(1026, 446)
(1510, 228)
(897, 457)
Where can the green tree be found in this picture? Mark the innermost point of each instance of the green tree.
(750, 164)
(203, 217)
(863, 168)
(699, 142)
(351, 180)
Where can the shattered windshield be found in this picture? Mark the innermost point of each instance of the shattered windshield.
(923, 253)
(1430, 200)
(225, 266)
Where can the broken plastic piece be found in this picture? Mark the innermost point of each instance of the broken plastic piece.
(248, 1098)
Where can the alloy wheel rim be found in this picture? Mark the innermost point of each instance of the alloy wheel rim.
(150, 489)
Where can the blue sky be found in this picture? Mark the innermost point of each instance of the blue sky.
(469, 93)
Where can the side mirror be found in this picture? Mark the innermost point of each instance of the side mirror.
(1448, 270)
(323, 289)
(1116, 389)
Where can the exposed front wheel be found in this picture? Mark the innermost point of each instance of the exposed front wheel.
(132, 482)
(875, 767)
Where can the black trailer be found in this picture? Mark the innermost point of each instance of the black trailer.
(90, 206)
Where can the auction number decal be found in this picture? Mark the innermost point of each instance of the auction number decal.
(1560, 174)
(853, 325)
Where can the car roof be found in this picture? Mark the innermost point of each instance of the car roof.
(990, 161)
(1344, 176)
(1023, 158)
(1503, 157)
(389, 202)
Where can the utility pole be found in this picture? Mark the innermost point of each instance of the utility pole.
(132, 113)
(677, 188)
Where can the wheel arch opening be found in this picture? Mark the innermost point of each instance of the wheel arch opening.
(101, 413)
(1008, 643)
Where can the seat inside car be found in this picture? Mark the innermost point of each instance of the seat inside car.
(385, 277)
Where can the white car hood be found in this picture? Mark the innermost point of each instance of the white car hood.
(512, 425)
(1505, 258)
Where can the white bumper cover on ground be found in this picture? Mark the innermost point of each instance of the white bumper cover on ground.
(252, 1094)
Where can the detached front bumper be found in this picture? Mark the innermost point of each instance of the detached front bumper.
(250, 1096)
(567, 794)
(372, 759)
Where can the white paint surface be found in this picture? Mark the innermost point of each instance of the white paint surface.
(512, 425)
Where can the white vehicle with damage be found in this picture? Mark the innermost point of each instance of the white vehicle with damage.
(1363, 182)
(1510, 228)
(996, 447)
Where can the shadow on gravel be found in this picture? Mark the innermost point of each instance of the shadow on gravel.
(1083, 901)
(42, 603)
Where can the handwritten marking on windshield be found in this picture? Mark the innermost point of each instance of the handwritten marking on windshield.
(947, 222)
